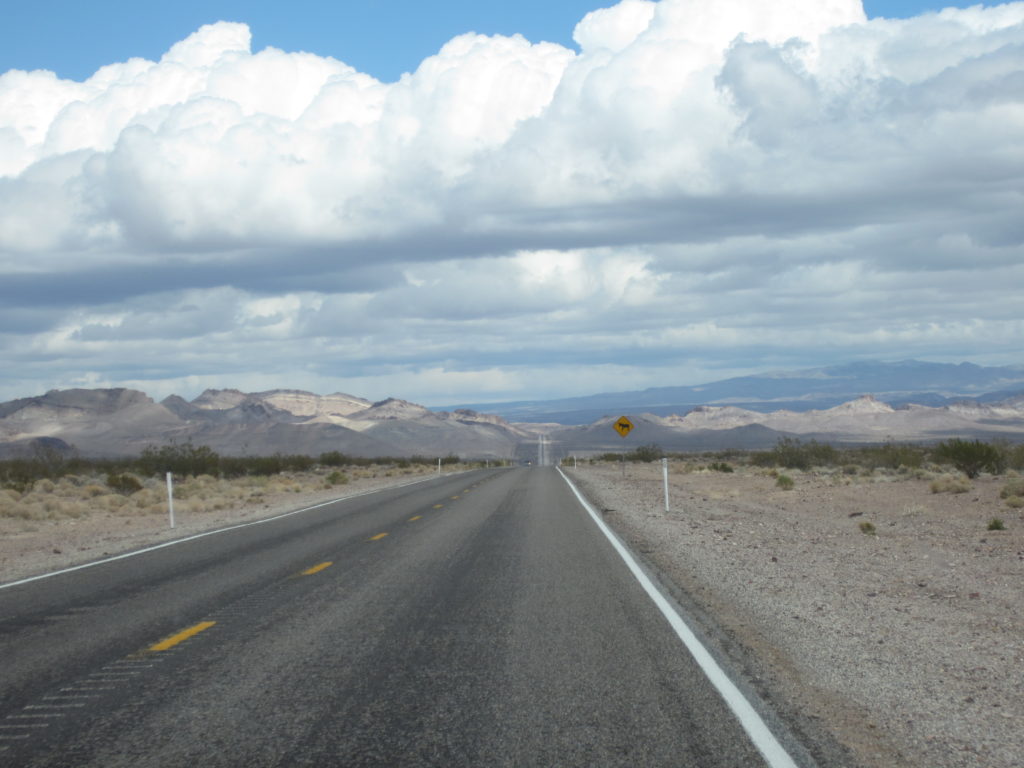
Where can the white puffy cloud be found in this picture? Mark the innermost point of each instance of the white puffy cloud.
(614, 28)
(701, 184)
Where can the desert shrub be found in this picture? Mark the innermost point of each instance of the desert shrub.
(29, 510)
(996, 524)
(1014, 487)
(970, 456)
(645, 453)
(950, 484)
(892, 456)
(785, 482)
(111, 501)
(183, 460)
(124, 484)
(337, 478)
(791, 453)
(334, 459)
(146, 497)
(71, 508)
(868, 529)
(1015, 502)
(9, 503)
(1014, 455)
(67, 486)
(720, 466)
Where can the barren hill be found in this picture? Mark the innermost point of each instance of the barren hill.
(863, 420)
(116, 422)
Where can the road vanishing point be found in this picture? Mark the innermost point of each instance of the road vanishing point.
(478, 619)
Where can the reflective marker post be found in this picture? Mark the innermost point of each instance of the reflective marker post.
(664, 472)
(170, 498)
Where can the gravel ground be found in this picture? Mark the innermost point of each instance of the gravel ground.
(906, 644)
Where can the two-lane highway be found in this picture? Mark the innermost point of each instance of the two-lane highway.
(472, 620)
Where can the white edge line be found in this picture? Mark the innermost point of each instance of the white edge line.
(171, 543)
(761, 736)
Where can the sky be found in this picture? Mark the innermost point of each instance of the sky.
(462, 202)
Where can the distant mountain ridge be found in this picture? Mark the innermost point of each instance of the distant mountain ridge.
(121, 422)
(864, 420)
(898, 383)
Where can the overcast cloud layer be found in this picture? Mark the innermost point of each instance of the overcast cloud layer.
(704, 189)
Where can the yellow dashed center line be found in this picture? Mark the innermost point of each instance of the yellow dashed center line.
(439, 506)
(414, 519)
(455, 498)
(182, 636)
(316, 568)
(378, 537)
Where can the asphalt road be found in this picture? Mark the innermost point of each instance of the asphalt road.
(493, 624)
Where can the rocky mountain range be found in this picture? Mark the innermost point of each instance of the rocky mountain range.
(123, 422)
(896, 383)
(863, 420)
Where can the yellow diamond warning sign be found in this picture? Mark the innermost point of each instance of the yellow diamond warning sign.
(623, 426)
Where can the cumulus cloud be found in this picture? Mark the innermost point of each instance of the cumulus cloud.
(698, 182)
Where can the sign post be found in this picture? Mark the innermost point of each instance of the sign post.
(623, 426)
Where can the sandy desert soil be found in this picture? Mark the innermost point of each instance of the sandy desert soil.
(79, 520)
(906, 644)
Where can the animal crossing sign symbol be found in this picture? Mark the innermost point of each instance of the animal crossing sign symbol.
(623, 426)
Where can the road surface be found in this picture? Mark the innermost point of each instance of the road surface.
(472, 620)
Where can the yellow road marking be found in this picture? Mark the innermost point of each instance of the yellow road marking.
(455, 498)
(378, 537)
(316, 569)
(439, 506)
(182, 636)
(414, 519)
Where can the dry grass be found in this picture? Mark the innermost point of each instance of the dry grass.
(76, 497)
(950, 484)
(1013, 488)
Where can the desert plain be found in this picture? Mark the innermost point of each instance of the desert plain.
(904, 643)
(872, 611)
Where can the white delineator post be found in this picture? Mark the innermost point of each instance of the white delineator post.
(664, 473)
(170, 498)
(439, 466)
